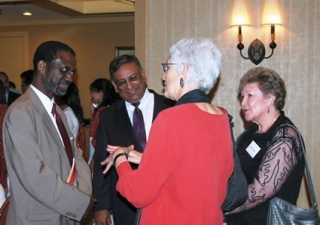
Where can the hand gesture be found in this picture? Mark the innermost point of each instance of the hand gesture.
(133, 155)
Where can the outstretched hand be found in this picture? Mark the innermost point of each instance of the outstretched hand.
(108, 162)
(114, 151)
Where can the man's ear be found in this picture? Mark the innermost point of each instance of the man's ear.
(143, 73)
(41, 67)
(114, 85)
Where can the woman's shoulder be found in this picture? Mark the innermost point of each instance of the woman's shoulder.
(192, 110)
(281, 124)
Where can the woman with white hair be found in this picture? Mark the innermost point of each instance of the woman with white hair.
(183, 174)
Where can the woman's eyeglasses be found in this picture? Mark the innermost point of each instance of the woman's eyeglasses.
(166, 66)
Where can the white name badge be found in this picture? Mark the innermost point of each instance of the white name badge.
(253, 149)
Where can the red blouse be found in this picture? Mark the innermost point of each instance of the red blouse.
(183, 174)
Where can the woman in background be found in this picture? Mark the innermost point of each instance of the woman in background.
(70, 103)
(270, 152)
(183, 174)
(102, 95)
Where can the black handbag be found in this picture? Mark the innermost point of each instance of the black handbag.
(237, 190)
(284, 213)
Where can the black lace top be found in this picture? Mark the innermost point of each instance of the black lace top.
(276, 170)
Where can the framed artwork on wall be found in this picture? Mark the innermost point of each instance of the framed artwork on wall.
(124, 51)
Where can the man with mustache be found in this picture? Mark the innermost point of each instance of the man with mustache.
(116, 127)
(50, 181)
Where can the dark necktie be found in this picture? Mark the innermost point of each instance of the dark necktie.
(138, 125)
(63, 133)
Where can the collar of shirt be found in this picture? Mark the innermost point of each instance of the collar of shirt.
(47, 102)
(143, 101)
(146, 106)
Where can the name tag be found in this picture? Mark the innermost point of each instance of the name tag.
(253, 149)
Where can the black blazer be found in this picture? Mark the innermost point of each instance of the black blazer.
(12, 97)
(115, 128)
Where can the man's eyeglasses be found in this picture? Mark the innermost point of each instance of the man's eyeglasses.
(166, 66)
(122, 83)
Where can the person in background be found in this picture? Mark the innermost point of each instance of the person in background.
(26, 79)
(183, 174)
(3, 110)
(70, 103)
(102, 95)
(40, 149)
(12, 87)
(270, 152)
(10, 95)
(116, 127)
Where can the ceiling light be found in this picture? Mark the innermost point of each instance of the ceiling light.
(27, 14)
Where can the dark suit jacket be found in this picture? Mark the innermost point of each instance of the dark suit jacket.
(12, 97)
(115, 128)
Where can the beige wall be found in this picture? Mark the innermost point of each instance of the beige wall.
(296, 57)
(94, 44)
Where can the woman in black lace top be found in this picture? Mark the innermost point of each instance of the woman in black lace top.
(269, 151)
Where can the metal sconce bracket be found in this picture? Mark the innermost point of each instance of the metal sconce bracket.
(256, 51)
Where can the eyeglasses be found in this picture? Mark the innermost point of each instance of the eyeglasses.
(122, 83)
(166, 66)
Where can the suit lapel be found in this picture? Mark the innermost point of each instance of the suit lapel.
(48, 124)
(123, 121)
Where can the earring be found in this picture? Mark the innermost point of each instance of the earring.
(181, 83)
(268, 110)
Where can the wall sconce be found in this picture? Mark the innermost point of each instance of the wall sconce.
(271, 16)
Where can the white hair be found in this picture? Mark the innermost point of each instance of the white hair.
(202, 58)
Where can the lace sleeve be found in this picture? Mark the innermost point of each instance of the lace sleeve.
(283, 153)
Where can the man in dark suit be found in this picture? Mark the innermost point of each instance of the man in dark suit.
(40, 148)
(115, 128)
(10, 95)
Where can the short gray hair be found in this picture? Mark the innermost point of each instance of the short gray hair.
(203, 59)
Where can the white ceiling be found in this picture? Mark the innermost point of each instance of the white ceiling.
(11, 11)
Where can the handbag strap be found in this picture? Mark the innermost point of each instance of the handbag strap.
(310, 183)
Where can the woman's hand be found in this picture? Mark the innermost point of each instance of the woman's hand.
(116, 150)
(108, 162)
(133, 155)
